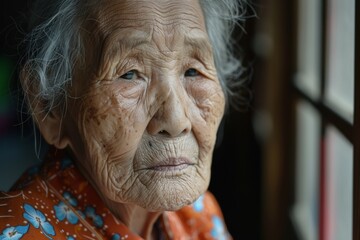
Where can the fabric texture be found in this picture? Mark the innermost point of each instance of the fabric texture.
(54, 201)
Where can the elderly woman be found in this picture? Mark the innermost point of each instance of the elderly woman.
(130, 94)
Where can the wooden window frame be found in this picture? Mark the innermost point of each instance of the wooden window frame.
(351, 131)
(356, 132)
(280, 97)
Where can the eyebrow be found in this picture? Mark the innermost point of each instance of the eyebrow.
(124, 43)
(109, 49)
(199, 44)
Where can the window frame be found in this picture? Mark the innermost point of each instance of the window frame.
(356, 136)
(280, 95)
(351, 131)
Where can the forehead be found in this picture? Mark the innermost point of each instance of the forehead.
(168, 12)
(158, 20)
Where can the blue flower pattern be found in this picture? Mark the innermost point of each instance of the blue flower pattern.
(115, 236)
(65, 163)
(14, 233)
(218, 232)
(38, 220)
(70, 198)
(63, 211)
(97, 220)
(198, 205)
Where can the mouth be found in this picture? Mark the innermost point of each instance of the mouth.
(170, 167)
(171, 164)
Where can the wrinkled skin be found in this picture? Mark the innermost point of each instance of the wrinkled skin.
(144, 110)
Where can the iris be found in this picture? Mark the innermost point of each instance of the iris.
(191, 72)
(129, 75)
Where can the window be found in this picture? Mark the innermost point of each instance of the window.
(311, 175)
(330, 214)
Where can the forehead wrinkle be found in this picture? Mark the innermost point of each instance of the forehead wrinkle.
(114, 45)
(161, 18)
(137, 13)
(139, 7)
(164, 15)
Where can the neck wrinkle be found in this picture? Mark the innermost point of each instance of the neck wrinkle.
(137, 219)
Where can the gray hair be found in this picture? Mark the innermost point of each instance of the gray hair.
(55, 46)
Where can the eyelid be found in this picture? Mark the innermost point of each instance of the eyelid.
(139, 75)
(197, 65)
(197, 73)
(203, 70)
(131, 71)
(125, 64)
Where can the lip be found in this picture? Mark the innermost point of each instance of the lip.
(171, 164)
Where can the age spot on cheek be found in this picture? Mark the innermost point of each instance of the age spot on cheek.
(150, 144)
(113, 100)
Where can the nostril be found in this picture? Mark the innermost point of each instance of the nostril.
(186, 130)
(163, 132)
(166, 133)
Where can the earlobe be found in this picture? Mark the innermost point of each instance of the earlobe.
(52, 129)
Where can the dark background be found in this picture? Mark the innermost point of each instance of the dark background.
(236, 172)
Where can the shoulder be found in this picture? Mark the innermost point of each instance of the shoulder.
(202, 220)
(24, 213)
(27, 210)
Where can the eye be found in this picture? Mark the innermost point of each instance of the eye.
(130, 75)
(191, 72)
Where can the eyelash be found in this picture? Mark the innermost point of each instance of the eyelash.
(191, 72)
(129, 76)
(132, 73)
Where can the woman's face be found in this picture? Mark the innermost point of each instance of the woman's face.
(146, 106)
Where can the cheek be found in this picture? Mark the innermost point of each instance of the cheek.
(109, 129)
(109, 123)
(209, 105)
(209, 99)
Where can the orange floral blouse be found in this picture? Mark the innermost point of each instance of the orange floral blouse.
(54, 201)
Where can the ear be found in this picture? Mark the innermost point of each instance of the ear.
(49, 122)
(51, 127)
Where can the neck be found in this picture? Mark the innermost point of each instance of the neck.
(137, 219)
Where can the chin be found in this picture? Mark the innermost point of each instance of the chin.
(170, 203)
(173, 197)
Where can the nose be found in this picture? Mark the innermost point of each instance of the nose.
(171, 119)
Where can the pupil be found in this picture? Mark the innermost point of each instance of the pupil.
(191, 72)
